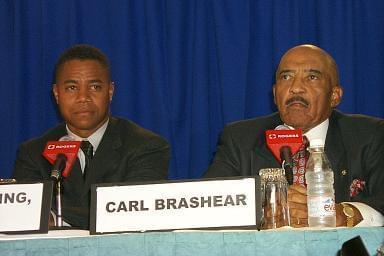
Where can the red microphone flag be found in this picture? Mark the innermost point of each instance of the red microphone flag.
(276, 139)
(68, 148)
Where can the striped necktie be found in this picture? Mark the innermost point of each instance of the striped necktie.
(87, 148)
(299, 162)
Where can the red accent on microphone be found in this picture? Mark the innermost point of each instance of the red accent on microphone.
(276, 139)
(68, 148)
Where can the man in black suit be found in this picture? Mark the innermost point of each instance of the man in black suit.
(122, 150)
(306, 92)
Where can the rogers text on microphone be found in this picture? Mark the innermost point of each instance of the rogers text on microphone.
(279, 136)
(61, 146)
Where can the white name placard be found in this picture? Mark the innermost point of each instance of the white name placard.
(175, 205)
(22, 207)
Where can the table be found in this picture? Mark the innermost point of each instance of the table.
(227, 242)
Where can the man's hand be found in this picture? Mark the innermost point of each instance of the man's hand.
(275, 220)
(51, 221)
(297, 201)
(341, 219)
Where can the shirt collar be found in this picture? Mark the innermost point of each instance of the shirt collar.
(317, 132)
(94, 139)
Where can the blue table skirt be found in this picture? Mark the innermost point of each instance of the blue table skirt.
(220, 243)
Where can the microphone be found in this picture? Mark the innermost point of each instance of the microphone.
(62, 155)
(284, 143)
(58, 166)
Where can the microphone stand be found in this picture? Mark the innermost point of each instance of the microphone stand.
(288, 172)
(59, 218)
(58, 167)
(287, 164)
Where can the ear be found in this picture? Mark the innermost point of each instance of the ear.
(111, 90)
(55, 93)
(274, 93)
(337, 94)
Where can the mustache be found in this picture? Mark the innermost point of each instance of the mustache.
(297, 99)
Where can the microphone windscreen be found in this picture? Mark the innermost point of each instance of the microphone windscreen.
(282, 127)
(67, 138)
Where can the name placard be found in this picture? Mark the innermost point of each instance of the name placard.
(175, 205)
(24, 208)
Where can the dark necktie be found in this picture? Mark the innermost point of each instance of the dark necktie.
(299, 162)
(87, 148)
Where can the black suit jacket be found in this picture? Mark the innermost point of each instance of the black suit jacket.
(354, 146)
(127, 152)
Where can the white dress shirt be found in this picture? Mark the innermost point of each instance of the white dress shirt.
(94, 139)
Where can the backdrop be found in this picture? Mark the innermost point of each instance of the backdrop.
(182, 68)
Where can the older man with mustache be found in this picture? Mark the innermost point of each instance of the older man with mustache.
(306, 92)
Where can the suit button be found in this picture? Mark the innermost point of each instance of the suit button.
(344, 172)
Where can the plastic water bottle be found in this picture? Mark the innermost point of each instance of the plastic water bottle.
(320, 191)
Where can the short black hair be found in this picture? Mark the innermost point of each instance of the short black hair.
(82, 52)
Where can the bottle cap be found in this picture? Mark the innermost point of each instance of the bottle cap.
(316, 143)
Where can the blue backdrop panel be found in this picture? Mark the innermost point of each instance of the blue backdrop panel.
(182, 68)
